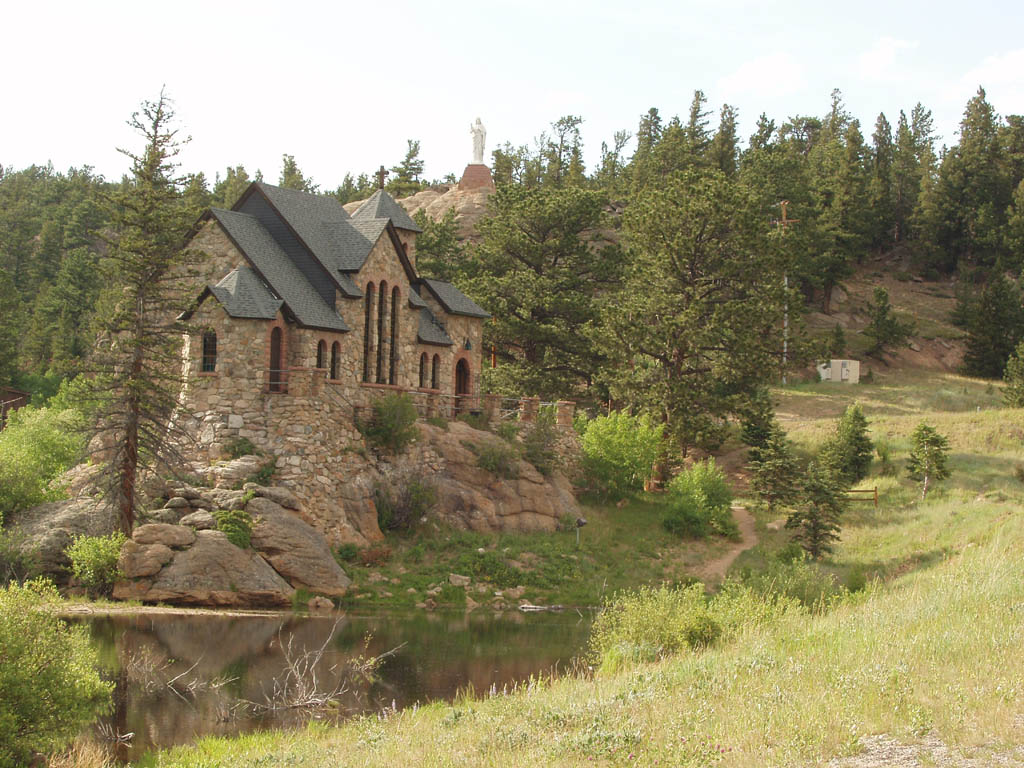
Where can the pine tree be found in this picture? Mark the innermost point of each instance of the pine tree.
(292, 178)
(10, 310)
(724, 150)
(837, 342)
(884, 329)
(698, 137)
(137, 366)
(848, 453)
(226, 191)
(880, 187)
(775, 471)
(1013, 393)
(995, 325)
(906, 179)
(405, 178)
(928, 457)
(816, 520)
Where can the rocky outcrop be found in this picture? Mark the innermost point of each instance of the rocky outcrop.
(295, 549)
(470, 206)
(213, 572)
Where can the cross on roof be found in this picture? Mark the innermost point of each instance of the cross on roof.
(380, 174)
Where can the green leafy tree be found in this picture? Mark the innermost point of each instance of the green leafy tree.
(849, 452)
(995, 325)
(816, 519)
(49, 685)
(929, 454)
(885, 329)
(775, 471)
(137, 365)
(619, 451)
(1013, 393)
(538, 270)
(696, 328)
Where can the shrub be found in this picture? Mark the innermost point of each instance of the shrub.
(17, 564)
(499, 458)
(373, 557)
(236, 525)
(539, 447)
(37, 445)
(488, 566)
(437, 421)
(650, 624)
(401, 500)
(507, 431)
(346, 553)
(265, 474)
(49, 686)
(476, 421)
(795, 579)
(94, 561)
(241, 446)
(619, 451)
(700, 502)
(392, 423)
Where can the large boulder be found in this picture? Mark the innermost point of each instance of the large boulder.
(174, 536)
(295, 549)
(47, 530)
(213, 572)
(138, 560)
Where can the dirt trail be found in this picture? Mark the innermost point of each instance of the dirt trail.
(714, 570)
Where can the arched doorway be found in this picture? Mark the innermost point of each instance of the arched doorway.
(462, 385)
(276, 373)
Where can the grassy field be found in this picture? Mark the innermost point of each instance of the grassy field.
(928, 650)
(620, 547)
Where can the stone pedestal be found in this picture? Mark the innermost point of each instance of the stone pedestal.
(529, 407)
(476, 176)
(564, 412)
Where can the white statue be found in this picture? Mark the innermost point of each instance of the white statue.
(479, 135)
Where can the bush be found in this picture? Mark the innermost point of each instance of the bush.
(401, 500)
(241, 446)
(49, 686)
(17, 564)
(37, 445)
(94, 561)
(346, 553)
(539, 447)
(507, 431)
(236, 525)
(374, 557)
(650, 624)
(619, 451)
(476, 421)
(392, 423)
(796, 579)
(499, 458)
(700, 503)
(490, 567)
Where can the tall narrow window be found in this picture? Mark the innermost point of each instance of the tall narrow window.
(382, 326)
(435, 372)
(277, 378)
(368, 332)
(321, 353)
(393, 347)
(424, 364)
(209, 352)
(335, 359)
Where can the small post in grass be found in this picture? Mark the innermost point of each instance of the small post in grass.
(580, 522)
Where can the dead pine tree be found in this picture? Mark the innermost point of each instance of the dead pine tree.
(135, 368)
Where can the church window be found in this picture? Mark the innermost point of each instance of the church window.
(435, 372)
(393, 347)
(209, 352)
(368, 332)
(335, 359)
(424, 364)
(321, 351)
(382, 326)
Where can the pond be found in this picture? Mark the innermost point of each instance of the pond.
(180, 677)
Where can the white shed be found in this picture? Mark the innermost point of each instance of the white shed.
(840, 371)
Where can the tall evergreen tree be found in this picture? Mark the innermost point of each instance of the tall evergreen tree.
(226, 191)
(775, 471)
(880, 187)
(292, 177)
(816, 520)
(405, 179)
(929, 456)
(698, 137)
(137, 366)
(724, 147)
(848, 453)
(995, 325)
(906, 179)
(10, 309)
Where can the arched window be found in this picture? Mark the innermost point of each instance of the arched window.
(335, 359)
(393, 348)
(368, 332)
(435, 373)
(277, 378)
(382, 327)
(209, 352)
(321, 353)
(424, 363)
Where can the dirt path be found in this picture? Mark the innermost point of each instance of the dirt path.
(714, 570)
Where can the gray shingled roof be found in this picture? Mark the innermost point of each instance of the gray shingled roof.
(243, 294)
(431, 331)
(415, 300)
(453, 300)
(278, 270)
(382, 206)
(348, 286)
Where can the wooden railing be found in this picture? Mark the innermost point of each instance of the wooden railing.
(858, 494)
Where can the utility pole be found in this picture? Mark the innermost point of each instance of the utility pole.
(784, 222)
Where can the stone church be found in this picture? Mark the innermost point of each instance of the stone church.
(304, 291)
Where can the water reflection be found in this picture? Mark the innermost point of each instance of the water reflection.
(180, 677)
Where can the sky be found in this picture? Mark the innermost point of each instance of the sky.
(343, 85)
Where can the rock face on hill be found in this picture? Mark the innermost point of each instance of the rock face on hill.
(469, 204)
